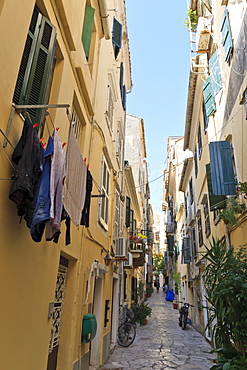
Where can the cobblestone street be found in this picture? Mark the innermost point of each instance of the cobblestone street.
(162, 344)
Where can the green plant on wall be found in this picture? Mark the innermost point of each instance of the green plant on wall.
(225, 281)
(176, 276)
(230, 214)
(191, 20)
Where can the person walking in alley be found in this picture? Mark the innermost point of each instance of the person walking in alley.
(157, 285)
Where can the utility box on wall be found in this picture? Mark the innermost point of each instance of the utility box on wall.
(89, 327)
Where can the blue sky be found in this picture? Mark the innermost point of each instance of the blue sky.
(160, 53)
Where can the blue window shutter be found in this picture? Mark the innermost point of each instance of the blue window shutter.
(117, 33)
(215, 201)
(124, 97)
(215, 75)
(87, 29)
(208, 97)
(223, 181)
(226, 35)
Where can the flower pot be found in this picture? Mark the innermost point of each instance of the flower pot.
(145, 322)
(175, 305)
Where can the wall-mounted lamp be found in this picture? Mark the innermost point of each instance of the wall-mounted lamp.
(108, 259)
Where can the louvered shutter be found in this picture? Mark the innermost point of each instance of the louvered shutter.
(215, 75)
(208, 97)
(117, 33)
(215, 201)
(87, 29)
(27, 58)
(41, 68)
(223, 181)
(186, 255)
(226, 35)
(127, 221)
(170, 242)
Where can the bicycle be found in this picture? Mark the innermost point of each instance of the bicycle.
(126, 331)
(183, 318)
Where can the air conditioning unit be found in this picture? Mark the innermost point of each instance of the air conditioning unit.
(129, 262)
(203, 34)
(121, 248)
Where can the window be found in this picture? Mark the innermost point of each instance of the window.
(117, 215)
(191, 191)
(110, 107)
(216, 202)
(199, 141)
(205, 118)
(195, 162)
(87, 29)
(206, 216)
(193, 241)
(199, 228)
(104, 200)
(212, 86)
(119, 146)
(34, 77)
(186, 252)
(122, 87)
(226, 35)
(77, 125)
(116, 37)
(127, 220)
(221, 168)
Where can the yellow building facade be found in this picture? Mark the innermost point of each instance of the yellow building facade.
(71, 59)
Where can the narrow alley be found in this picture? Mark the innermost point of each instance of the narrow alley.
(162, 344)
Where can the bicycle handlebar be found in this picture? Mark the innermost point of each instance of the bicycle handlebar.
(191, 305)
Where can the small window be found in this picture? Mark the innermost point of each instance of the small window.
(34, 78)
(191, 191)
(199, 141)
(116, 37)
(193, 242)
(104, 200)
(87, 29)
(199, 228)
(196, 162)
(206, 216)
(127, 220)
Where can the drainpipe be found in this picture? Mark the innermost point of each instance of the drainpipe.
(105, 18)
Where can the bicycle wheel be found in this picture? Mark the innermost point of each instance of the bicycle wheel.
(184, 321)
(126, 334)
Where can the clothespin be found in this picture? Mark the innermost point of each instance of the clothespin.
(63, 145)
(43, 145)
(57, 128)
(40, 140)
(35, 125)
(85, 160)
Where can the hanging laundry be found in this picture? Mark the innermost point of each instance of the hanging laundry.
(56, 188)
(86, 209)
(75, 172)
(43, 201)
(27, 157)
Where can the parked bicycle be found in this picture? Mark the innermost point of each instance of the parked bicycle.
(184, 311)
(126, 331)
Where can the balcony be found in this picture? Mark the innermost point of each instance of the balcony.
(137, 248)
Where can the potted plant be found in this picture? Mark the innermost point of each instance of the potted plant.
(242, 188)
(142, 311)
(191, 20)
(230, 214)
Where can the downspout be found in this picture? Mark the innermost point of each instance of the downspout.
(105, 18)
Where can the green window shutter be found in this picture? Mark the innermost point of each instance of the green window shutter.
(41, 68)
(215, 75)
(87, 29)
(117, 33)
(186, 255)
(170, 242)
(127, 221)
(223, 181)
(27, 58)
(208, 97)
(226, 35)
(215, 201)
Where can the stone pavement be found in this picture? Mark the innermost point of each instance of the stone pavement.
(162, 344)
